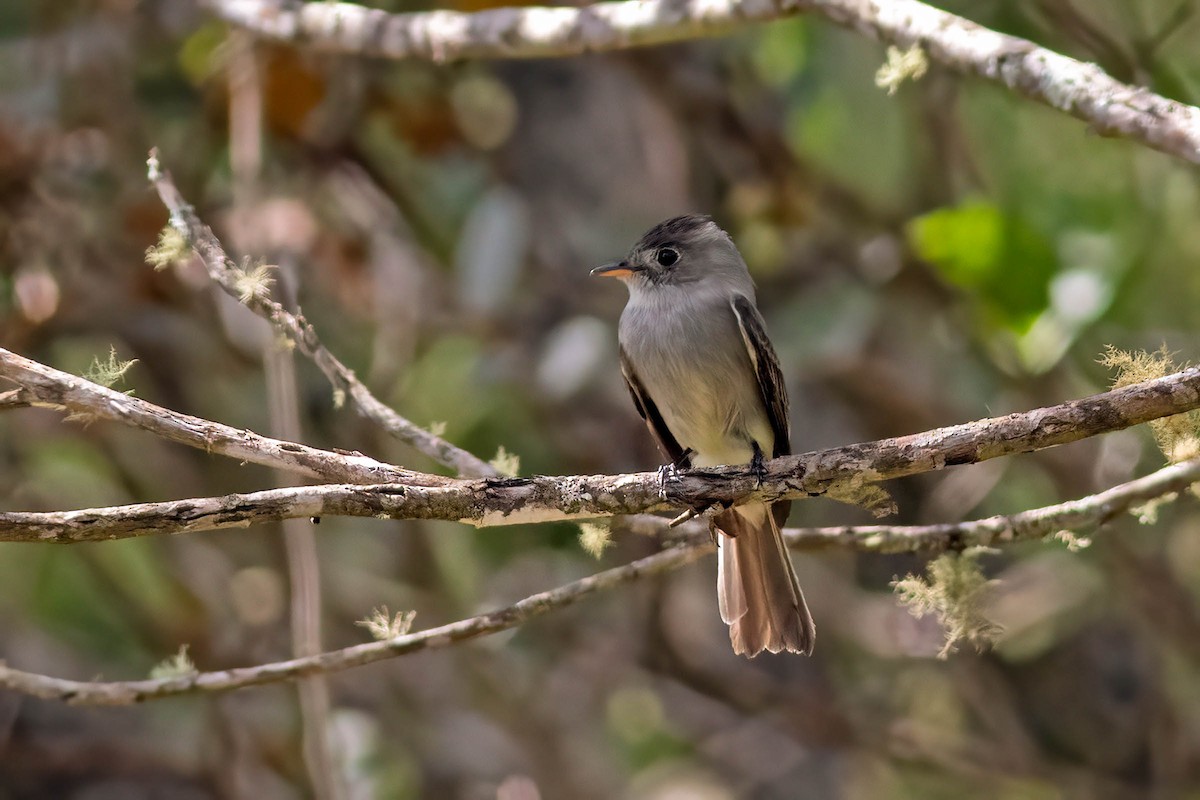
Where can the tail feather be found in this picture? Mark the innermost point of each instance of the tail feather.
(757, 589)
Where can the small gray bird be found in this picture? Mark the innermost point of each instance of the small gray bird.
(704, 377)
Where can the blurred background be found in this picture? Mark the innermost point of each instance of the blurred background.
(948, 253)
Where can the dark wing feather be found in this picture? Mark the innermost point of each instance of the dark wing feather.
(771, 385)
(766, 368)
(649, 412)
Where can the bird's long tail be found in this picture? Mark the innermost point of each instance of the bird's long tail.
(757, 590)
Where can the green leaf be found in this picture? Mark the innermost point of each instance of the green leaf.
(1000, 261)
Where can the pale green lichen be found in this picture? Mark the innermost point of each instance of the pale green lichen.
(172, 248)
(901, 66)
(438, 428)
(112, 371)
(1147, 512)
(953, 589)
(383, 625)
(252, 280)
(595, 537)
(506, 463)
(1073, 541)
(1178, 436)
(177, 666)
(858, 491)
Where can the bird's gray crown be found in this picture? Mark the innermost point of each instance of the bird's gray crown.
(684, 250)
(678, 230)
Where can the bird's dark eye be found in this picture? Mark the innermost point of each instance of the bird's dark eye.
(666, 257)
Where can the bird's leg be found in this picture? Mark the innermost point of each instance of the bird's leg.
(758, 464)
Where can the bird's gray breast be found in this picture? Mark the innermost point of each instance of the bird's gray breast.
(688, 352)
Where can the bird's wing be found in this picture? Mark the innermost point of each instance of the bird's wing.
(654, 421)
(766, 369)
(771, 385)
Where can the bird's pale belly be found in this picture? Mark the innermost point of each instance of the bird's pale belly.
(717, 420)
(693, 363)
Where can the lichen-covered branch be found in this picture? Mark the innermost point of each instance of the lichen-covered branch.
(41, 385)
(1074, 515)
(1080, 89)
(128, 692)
(1083, 90)
(226, 274)
(1088, 512)
(418, 502)
(845, 473)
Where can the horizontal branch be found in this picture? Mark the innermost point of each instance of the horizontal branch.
(1035, 524)
(295, 327)
(841, 472)
(85, 400)
(1080, 89)
(398, 501)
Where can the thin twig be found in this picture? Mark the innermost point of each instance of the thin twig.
(1080, 89)
(1088, 512)
(1074, 515)
(226, 274)
(127, 692)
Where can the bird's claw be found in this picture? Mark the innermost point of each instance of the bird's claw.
(667, 473)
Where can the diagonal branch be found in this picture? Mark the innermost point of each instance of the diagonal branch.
(1092, 511)
(226, 274)
(1080, 89)
(127, 692)
(46, 386)
(844, 473)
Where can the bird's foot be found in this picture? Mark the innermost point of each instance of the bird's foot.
(667, 474)
(670, 473)
(758, 465)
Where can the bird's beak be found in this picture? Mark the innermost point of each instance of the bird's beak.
(617, 269)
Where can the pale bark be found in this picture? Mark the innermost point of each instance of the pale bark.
(86, 401)
(1077, 88)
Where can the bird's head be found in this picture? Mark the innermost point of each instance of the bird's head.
(682, 250)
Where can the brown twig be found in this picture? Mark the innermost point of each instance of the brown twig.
(127, 692)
